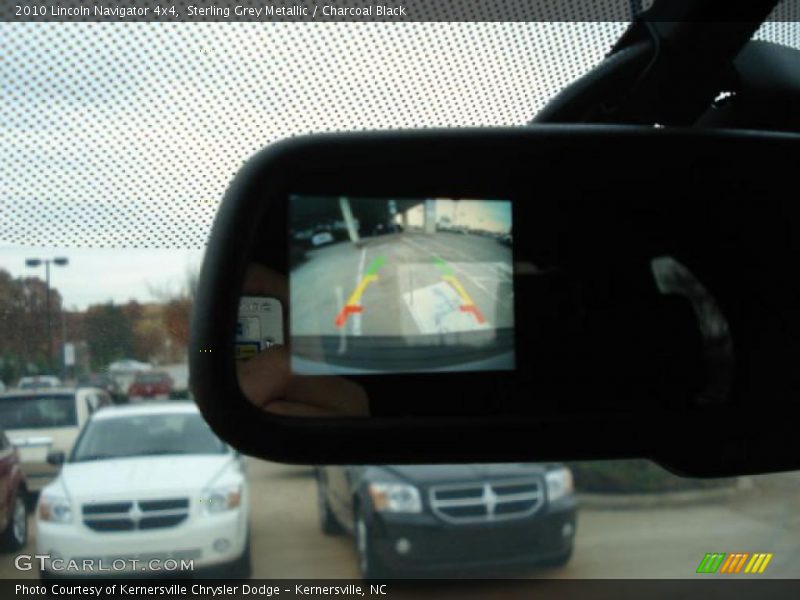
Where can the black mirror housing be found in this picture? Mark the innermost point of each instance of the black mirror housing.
(668, 252)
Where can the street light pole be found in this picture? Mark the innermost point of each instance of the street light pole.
(35, 262)
(49, 316)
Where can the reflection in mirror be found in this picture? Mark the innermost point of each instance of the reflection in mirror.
(672, 277)
(263, 362)
(376, 286)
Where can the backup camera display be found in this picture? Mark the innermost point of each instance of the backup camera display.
(399, 285)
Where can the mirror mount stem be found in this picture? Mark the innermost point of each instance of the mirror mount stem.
(669, 65)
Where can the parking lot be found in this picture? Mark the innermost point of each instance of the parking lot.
(369, 308)
(401, 282)
(623, 543)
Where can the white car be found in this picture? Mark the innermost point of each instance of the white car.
(123, 372)
(45, 420)
(145, 487)
(37, 382)
(321, 238)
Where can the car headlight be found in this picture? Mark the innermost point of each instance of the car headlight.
(223, 498)
(395, 497)
(559, 483)
(54, 509)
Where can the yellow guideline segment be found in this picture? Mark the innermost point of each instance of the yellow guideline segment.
(353, 305)
(459, 288)
(356, 295)
(469, 305)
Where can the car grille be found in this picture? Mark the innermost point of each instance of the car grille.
(491, 501)
(135, 515)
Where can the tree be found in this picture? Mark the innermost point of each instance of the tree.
(23, 323)
(176, 321)
(109, 334)
(177, 313)
(150, 339)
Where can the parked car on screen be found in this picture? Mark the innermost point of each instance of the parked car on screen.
(321, 238)
(410, 520)
(13, 498)
(150, 385)
(40, 421)
(39, 382)
(147, 481)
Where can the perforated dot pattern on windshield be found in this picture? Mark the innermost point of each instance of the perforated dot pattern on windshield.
(127, 134)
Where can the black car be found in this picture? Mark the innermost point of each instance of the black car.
(105, 382)
(412, 520)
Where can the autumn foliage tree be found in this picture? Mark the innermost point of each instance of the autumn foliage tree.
(153, 332)
(23, 325)
(160, 329)
(176, 315)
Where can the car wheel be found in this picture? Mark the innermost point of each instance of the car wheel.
(15, 535)
(369, 565)
(327, 520)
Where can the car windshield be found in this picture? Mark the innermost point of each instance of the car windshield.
(147, 435)
(119, 140)
(36, 412)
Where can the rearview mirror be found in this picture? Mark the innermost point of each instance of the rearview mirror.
(487, 295)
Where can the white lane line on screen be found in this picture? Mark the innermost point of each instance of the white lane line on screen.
(356, 320)
(337, 291)
(460, 271)
(499, 274)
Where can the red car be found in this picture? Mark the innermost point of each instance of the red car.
(150, 385)
(13, 498)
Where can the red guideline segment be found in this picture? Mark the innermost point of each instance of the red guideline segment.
(348, 310)
(471, 308)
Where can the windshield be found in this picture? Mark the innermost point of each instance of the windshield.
(119, 140)
(147, 435)
(38, 412)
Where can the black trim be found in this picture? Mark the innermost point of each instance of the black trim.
(713, 200)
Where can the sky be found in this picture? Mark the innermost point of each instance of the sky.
(97, 275)
(117, 136)
(120, 139)
(477, 214)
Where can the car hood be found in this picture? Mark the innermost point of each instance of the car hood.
(428, 474)
(141, 477)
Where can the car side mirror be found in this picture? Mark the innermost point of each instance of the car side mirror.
(56, 458)
(540, 293)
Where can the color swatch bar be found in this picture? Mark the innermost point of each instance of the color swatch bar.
(733, 563)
